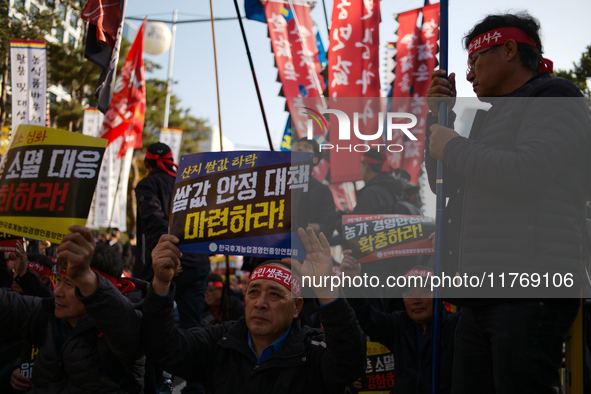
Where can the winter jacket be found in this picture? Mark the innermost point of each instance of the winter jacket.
(99, 355)
(322, 208)
(310, 360)
(398, 333)
(516, 186)
(154, 201)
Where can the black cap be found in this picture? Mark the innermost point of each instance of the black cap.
(158, 148)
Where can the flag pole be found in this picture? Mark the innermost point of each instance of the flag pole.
(169, 80)
(217, 84)
(226, 288)
(326, 19)
(440, 205)
(254, 76)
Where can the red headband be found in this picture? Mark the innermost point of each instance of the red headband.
(215, 285)
(500, 36)
(40, 268)
(385, 163)
(117, 282)
(160, 160)
(419, 272)
(279, 275)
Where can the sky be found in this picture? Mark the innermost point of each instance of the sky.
(565, 34)
(565, 30)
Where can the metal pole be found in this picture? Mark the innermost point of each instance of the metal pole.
(326, 19)
(170, 59)
(217, 85)
(254, 76)
(442, 120)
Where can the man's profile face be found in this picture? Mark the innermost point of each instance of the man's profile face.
(487, 72)
(418, 302)
(302, 146)
(269, 308)
(67, 306)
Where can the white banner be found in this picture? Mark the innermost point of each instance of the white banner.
(93, 120)
(173, 138)
(29, 82)
(109, 205)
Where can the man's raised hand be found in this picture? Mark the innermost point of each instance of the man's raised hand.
(20, 257)
(166, 259)
(77, 249)
(318, 263)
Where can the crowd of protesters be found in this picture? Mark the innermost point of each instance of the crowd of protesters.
(70, 322)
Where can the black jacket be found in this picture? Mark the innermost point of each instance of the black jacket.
(398, 333)
(310, 361)
(516, 186)
(154, 201)
(379, 196)
(87, 360)
(322, 208)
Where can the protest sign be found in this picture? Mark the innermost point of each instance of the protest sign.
(379, 372)
(8, 242)
(373, 237)
(242, 202)
(47, 181)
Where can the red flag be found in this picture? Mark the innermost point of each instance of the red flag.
(294, 49)
(125, 117)
(415, 60)
(105, 15)
(105, 18)
(353, 71)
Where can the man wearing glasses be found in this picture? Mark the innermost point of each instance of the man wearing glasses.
(516, 190)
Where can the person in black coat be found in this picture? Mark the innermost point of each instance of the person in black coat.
(267, 351)
(516, 190)
(322, 212)
(154, 202)
(83, 345)
(216, 309)
(408, 333)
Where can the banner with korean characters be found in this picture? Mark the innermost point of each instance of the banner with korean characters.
(379, 372)
(8, 242)
(374, 237)
(296, 56)
(173, 138)
(28, 74)
(93, 121)
(248, 203)
(416, 58)
(47, 179)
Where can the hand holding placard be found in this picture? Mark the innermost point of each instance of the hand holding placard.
(77, 249)
(166, 259)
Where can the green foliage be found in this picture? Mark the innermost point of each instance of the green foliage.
(580, 73)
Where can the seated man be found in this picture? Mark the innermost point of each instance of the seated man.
(215, 311)
(407, 334)
(85, 343)
(267, 351)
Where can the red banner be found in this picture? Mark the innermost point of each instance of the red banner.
(125, 117)
(415, 60)
(353, 71)
(296, 56)
(354, 49)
